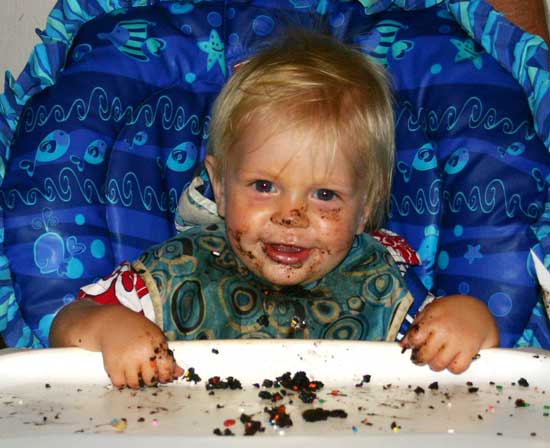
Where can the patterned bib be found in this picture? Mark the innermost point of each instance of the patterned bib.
(200, 290)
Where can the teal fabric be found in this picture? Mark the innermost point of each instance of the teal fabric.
(206, 293)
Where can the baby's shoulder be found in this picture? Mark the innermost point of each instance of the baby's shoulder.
(199, 245)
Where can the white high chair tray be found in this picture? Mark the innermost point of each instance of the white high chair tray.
(62, 398)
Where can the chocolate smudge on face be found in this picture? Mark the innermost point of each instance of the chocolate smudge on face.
(296, 217)
(332, 215)
(237, 237)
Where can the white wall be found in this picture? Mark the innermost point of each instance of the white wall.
(18, 20)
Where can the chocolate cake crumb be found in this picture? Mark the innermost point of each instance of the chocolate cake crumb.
(215, 351)
(520, 403)
(263, 320)
(47, 386)
(265, 395)
(191, 375)
(364, 380)
(226, 432)
(278, 416)
(251, 427)
(434, 386)
(473, 390)
(523, 382)
(307, 397)
(299, 382)
(394, 426)
(319, 414)
(479, 417)
(419, 390)
(230, 383)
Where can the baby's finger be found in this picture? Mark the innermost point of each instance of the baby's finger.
(443, 358)
(428, 349)
(118, 378)
(178, 371)
(416, 335)
(460, 363)
(165, 365)
(149, 372)
(132, 378)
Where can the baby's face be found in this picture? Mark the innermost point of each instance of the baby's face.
(291, 208)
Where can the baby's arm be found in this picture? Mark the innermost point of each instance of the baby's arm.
(450, 331)
(135, 351)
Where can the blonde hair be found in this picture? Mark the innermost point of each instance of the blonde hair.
(314, 81)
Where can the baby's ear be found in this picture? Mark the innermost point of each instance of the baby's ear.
(215, 173)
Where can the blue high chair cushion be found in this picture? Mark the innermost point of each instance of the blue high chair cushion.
(109, 121)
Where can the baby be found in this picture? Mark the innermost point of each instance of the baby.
(301, 154)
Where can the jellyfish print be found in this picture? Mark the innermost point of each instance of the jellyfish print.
(51, 148)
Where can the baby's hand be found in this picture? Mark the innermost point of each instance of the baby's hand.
(135, 351)
(449, 332)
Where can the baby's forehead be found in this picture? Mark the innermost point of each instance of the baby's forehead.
(318, 154)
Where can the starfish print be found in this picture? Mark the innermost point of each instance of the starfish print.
(215, 49)
(473, 253)
(467, 51)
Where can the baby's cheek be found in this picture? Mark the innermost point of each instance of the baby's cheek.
(331, 215)
(237, 237)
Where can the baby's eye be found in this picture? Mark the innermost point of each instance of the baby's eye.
(263, 186)
(325, 195)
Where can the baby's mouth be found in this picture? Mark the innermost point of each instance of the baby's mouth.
(286, 254)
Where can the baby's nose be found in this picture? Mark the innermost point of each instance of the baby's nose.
(291, 218)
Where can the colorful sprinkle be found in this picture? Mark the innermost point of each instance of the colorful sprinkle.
(520, 403)
(120, 425)
(229, 422)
